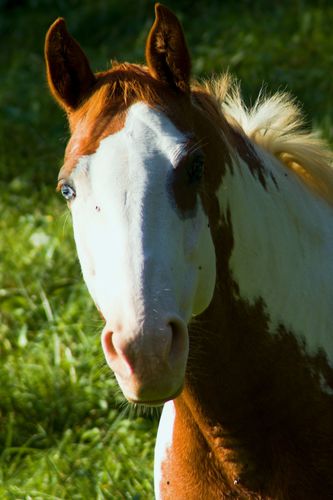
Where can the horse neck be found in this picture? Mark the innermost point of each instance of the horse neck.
(281, 246)
(255, 382)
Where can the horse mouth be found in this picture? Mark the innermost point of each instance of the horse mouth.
(156, 402)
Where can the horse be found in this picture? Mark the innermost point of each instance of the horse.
(204, 231)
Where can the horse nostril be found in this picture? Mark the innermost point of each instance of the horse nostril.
(115, 352)
(179, 341)
(107, 344)
(126, 354)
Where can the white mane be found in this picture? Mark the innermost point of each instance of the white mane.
(276, 124)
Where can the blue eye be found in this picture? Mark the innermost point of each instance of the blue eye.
(68, 192)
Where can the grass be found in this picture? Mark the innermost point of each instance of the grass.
(65, 432)
(64, 429)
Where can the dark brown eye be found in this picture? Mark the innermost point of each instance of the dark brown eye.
(195, 168)
(184, 182)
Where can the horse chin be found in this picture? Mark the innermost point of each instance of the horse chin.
(155, 402)
(146, 396)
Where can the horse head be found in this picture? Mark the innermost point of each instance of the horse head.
(137, 183)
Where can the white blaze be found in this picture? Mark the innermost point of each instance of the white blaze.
(135, 250)
(145, 264)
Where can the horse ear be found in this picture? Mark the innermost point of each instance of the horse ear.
(68, 72)
(167, 55)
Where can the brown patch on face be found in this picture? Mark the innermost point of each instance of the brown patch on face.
(185, 180)
(199, 117)
(89, 129)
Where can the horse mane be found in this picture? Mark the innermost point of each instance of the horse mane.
(276, 124)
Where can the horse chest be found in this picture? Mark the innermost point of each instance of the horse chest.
(192, 465)
(185, 466)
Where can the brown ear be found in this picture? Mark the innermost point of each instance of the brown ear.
(68, 72)
(167, 55)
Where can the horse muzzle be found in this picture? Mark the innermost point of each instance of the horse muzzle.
(149, 362)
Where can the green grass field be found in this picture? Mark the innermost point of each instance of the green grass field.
(65, 431)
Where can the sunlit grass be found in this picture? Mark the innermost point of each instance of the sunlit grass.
(65, 429)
